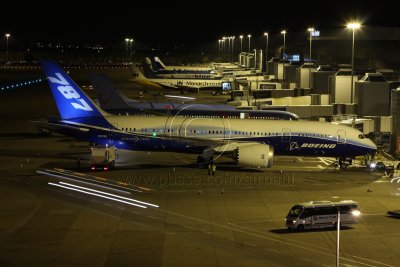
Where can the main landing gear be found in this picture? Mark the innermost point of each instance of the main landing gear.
(343, 163)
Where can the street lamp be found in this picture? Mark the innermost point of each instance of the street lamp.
(233, 41)
(126, 44)
(130, 47)
(255, 59)
(310, 30)
(230, 48)
(266, 51)
(284, 42)
(223, 46)
(249, 36)
(241, 43)
(353, 26)
(337, 236)
(219, 47)
(7, 36)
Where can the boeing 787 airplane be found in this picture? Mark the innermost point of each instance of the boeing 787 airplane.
(248, 142)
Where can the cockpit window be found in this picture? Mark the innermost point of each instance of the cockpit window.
(361, 136)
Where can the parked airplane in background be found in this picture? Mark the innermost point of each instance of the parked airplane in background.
(113, 101)
(249, 142)
(159, 65)
(193, 84)
(152, 71)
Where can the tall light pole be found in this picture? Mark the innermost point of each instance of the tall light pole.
(233, 41)
(229, 48)
(337, 236)
(353, 26)
(310, 30)
(266, 51)
(223, 46)
(249, 36)
(130, 47)
(284, 42)
(7, 35)
(219, 47)
(127, 44)
(241, 43)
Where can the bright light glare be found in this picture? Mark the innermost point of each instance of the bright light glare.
(372, 165)
(98, 195)
(283, 32)
(109, 194)
(353, 25)
(311, 29)
(356, 213)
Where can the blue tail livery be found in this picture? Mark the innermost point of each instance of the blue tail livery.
(71, 101)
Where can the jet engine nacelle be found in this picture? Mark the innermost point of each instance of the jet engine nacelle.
(254, 155)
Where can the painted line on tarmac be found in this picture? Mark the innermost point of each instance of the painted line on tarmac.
(256, 221)
(302, 245)
(286, 241)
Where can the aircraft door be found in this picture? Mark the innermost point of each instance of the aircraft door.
(286, 135)
(341, 137)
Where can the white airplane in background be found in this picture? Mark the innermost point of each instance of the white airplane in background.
(113, 101)
(194, 84)
(151, 71)
(248, 142)
(160, 65)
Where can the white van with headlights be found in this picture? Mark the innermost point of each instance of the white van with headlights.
(322, 214)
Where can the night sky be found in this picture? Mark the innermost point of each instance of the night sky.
(183, 22)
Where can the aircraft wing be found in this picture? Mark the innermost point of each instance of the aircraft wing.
(55, 126)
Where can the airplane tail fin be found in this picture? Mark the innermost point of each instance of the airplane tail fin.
(137, 73)
(159, 64)
(108, 95)
(148, 69)
(148, 63)
(71, 101)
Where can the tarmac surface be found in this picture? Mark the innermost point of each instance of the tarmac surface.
(235, 218)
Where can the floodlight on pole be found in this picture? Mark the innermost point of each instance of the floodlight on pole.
(249, 36)
(130, 45)
(311, 31)
(233, 41)
(266, 51)
(219, 47)
(353, 26)
(7, 35)
(241, 43)
(223, 46)
(126, 43)
(284, 42)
